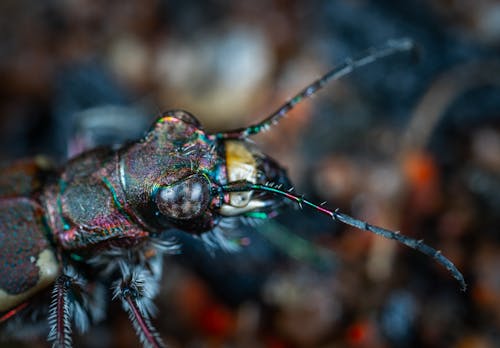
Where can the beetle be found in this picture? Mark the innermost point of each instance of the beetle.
(97, 222)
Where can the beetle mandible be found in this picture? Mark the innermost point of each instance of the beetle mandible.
(102, 214)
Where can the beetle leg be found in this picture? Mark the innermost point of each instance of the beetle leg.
(60, 313)
(135, 292)
(68, 303)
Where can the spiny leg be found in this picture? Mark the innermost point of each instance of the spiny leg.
(389, 48)
(135, 293)
(68, 302)
(418, 245)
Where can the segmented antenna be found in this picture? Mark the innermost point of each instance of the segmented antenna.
(419, 245)
(389, 48)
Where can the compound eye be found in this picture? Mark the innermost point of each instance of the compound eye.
(183, 116)
(184, 199)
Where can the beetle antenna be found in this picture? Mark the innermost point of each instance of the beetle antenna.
(389, 48)
(419, 245)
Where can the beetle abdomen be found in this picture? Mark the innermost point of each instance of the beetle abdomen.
(27, 261)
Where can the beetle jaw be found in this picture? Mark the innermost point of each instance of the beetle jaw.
(245, 164)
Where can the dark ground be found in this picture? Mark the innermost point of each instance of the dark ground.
(354, 145)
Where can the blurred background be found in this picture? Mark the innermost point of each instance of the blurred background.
(411, 143)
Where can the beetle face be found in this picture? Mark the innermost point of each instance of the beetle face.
(175, 176)
(197, 202)
(168, 176)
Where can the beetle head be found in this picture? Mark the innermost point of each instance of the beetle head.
(175, 176)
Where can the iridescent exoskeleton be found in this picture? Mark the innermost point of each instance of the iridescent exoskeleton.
(97, 222)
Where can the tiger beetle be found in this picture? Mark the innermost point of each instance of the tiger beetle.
(97, 223)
